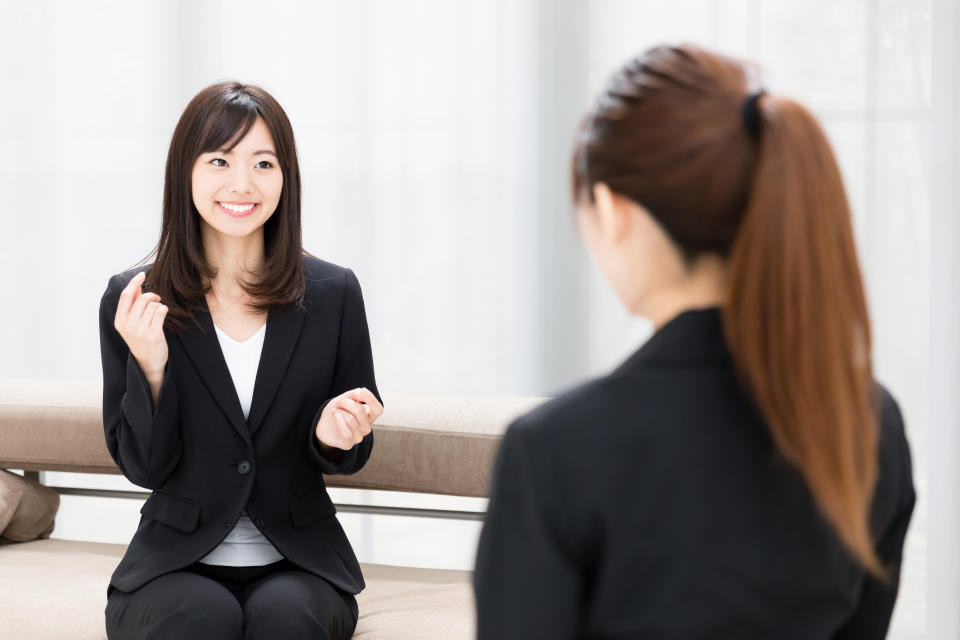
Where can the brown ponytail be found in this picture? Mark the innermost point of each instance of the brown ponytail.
(797, 322)
(669, 132)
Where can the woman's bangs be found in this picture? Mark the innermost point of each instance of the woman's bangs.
(225, 127)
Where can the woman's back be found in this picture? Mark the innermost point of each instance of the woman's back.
(653, 503)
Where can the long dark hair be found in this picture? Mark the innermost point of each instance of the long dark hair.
(765, 192)
(180, 274)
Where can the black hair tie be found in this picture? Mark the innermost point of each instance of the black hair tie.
(749, 111)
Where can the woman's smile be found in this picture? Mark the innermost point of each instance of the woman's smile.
(238, 209)
(242, 183)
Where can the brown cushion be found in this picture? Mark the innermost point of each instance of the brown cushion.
(27, 508)
(58, 589)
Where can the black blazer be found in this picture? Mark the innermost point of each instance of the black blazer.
(651, 503)
(205, 463)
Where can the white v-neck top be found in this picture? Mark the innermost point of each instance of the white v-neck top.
(243, 359)
(244, 546)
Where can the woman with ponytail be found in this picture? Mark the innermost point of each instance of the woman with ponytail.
(742, 475)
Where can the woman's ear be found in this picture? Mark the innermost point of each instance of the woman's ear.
(613, 213)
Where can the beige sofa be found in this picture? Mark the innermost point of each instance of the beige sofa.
(56, 589)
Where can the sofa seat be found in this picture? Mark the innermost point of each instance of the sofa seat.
(57, 589)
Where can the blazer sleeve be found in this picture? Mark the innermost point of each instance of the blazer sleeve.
(877, 597)
(353, 368)
(527, 581)
(142, 439)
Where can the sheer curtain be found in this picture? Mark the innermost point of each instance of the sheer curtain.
(417, 138)
(434, 139)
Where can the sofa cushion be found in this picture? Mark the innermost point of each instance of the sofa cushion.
(404, 603)
(58, 589)
(27, 508)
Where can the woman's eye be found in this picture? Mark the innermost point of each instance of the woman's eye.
(264, 164)
(218, 162)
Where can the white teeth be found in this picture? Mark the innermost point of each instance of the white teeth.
(237, 208)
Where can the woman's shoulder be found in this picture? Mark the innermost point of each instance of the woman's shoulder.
(325, 278)
(124, 276)
(117, 281)
(315, 268)
(896, 469)
(584, 437)
(602, 406)
(892, 429)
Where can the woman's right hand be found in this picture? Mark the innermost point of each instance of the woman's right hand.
(139, 321)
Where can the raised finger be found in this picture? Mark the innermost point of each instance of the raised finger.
(129, 294)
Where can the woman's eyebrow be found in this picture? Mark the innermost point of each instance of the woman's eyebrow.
(256, 153)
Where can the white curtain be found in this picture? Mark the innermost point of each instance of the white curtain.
(434, 138)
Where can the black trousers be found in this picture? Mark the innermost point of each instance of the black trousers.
(209, 602)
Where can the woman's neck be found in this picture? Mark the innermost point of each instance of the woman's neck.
(703, 286)
(235, 260)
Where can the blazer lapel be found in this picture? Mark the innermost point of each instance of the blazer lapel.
(203, 349)
(278, 343)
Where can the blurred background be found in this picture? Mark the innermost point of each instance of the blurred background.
(434, 137)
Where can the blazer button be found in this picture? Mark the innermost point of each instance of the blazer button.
(243, 467)
(259, 522)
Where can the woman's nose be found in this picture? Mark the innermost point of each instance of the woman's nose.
(240, 181)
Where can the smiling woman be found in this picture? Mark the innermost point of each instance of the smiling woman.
(239, 537)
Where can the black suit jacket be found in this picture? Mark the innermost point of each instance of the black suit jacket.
(205, 463)
(652, 503)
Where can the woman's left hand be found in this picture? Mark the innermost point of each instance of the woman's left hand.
(347, 418)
